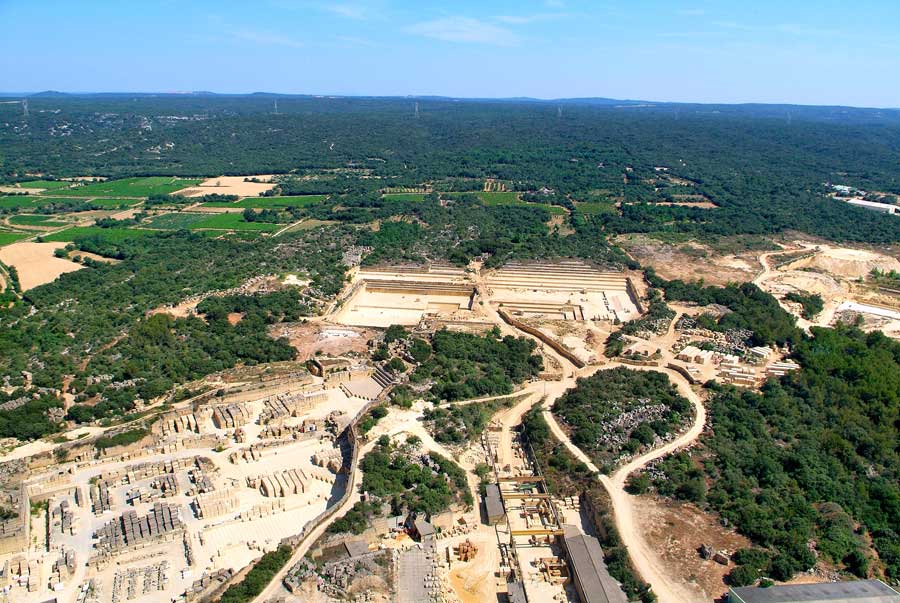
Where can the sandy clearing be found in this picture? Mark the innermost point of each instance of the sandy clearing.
(676, 531)
(19, 190)
(36, 263)
(230, 185)
(849, 263)
(690, 261)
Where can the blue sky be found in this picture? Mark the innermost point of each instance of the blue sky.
(799, 51)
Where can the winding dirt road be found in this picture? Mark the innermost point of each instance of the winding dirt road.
(668, 588)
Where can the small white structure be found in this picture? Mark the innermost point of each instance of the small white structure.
(882, 207)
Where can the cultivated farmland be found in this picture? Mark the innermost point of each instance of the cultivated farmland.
(404, 197)
(233, 222)
(34, 220)
(174, 221)
(111, 235)
(11, 237)
(508, 198)
(45, 184)
(36, 263)
(267, 202)
(131, 187)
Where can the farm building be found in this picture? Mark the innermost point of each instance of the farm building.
(868, 591)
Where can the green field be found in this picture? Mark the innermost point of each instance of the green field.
(175, 221)
(131, 187)
(403, 196)
(11, 237)
(266, 202)
(112, 235)
(32, 202)
(594, 208)
(233, 222)
(16, 202)
(33, 220)
(498, 198)
(512, 198)
(113, 203)
(46, 184)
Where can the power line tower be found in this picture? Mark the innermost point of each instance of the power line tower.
(24, 107)
(558, 111)
(417, 109)
(276, 106)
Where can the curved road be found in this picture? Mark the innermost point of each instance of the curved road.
(668, 589)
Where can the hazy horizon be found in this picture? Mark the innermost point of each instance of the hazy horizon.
(804, 53)
(633, 101)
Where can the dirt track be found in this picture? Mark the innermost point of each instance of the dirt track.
(651, 567)
(647, 563)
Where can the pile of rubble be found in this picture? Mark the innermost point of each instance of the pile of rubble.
(336, 578)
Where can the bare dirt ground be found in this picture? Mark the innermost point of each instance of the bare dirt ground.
(36, 263)
(848, 263)
(473, 581)
(230, 185)
(676, 532)
(313, 337)
(182, 310)
(126, 214)
(559, 221)
(835, 273)
(691, 261)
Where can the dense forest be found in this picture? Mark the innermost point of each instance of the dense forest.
(466, 366)
(763, 170)
(160, 351)
(619, 411)
(406, 480)
(750, 308)
(92, 324)
(813, 458)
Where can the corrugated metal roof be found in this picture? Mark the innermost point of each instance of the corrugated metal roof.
(588, 568)
(493, 504)
(868, 591)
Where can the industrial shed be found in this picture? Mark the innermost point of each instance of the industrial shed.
(588, 570)
(860, 591)
(493, 504)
